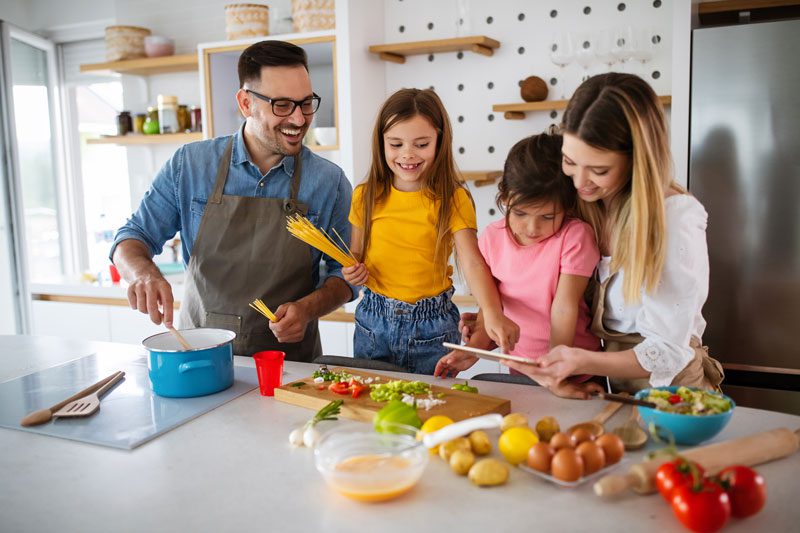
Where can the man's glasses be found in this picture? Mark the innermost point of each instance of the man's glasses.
(283, 107)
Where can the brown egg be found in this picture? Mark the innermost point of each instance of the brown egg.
(559, 441)
(612, 446)
(567, 465)
(580, 435)
(539, 457)
(594, 458)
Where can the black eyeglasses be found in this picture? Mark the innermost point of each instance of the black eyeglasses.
(283, 107)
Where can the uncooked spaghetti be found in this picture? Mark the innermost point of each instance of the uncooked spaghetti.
(301, 228)
(262, 308)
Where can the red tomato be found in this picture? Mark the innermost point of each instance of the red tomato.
(746, 489)
(703, 511)
(339, 387)
(674, 399)
(674, 474)
(357, 388)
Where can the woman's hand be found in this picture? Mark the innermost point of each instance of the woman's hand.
(356, 274)
(557, 365)
(503, 331)
(579, 391)
(453, 363)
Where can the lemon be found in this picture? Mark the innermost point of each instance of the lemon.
(432, 424)
(515, 442)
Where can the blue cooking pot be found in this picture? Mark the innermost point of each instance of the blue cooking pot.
(178, 373)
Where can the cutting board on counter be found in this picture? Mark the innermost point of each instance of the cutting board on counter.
(458, 404)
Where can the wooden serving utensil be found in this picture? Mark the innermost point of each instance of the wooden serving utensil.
(88, 404)
(624, 398)
(186, 346)
(44, 415)
(632, 435)
(595, 425)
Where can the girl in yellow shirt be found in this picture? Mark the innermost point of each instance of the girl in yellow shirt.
(407, 216)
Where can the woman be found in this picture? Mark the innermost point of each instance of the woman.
(653, 273)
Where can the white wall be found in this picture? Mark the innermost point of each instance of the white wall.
(17, 12)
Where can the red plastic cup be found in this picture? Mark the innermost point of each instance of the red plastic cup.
(115, 277)
(269, 367)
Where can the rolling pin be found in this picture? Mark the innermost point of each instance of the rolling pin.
(752, 450)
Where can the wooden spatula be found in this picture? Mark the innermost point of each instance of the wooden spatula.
(88, 404)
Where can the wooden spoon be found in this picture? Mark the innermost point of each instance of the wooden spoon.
(186, 346)
(632, 435)
(595, 425)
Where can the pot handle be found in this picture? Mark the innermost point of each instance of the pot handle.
(194, 365)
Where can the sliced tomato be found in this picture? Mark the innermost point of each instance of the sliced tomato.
(357, 388)
(674, 399)
(339, 387)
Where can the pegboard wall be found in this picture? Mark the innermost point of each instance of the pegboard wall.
(469, 84)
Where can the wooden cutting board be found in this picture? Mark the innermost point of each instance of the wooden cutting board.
(459, 405)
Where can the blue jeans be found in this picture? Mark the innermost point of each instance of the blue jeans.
(404, 334)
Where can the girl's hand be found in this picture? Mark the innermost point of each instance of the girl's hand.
(503, 331)
(356, 274)
(453, 363)
(467, 326)
(554, 367)
(579, 391)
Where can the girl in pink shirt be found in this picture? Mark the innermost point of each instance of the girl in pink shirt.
(541, 258)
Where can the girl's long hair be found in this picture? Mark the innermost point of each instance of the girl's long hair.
(440, 181)
(621, 113)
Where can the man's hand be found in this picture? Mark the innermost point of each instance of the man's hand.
(152, 295)
(293, 318)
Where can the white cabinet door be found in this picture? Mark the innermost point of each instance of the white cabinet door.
(130, 326)
(334, 338)
(70, 320)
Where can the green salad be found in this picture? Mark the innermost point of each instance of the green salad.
(688, 401)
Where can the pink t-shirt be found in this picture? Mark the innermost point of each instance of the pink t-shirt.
(527, 277)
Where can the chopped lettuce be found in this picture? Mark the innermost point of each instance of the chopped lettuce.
(689, 401)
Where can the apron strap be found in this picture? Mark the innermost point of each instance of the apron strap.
(222, 173)
(291, 205)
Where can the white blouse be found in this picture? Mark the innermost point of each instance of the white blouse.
(670, 316)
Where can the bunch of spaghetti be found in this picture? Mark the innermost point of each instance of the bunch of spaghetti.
(302, 228)
(262, 308)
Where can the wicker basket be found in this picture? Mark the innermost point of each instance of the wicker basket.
(125, 42)
(246, 20)
(313, 15)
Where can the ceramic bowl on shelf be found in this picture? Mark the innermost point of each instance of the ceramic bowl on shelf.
(367, 466)
(158, 46)
(325, 136)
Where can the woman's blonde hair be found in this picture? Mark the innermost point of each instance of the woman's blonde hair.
(621, 113)
(440, 181)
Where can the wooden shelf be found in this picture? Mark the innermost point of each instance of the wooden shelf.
(146, 65)
(724, 6)
(517, 111)
(396, 53)
(482, 177)
(135, 139)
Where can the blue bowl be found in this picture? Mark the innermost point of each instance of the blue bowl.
(687, 429)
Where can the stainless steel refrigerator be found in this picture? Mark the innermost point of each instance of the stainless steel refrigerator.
(745, 169)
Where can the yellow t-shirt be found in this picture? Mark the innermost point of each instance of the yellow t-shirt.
(402, 246)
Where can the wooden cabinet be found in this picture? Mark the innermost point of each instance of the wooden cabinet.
(220, 81)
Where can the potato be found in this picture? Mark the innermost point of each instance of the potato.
(479, 440)
(488, 472)
(447, 449)
(461, 461)
(513, 420)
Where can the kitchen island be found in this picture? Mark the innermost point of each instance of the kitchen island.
(232, 469)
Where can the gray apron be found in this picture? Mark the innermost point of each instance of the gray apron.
(243, 252)
(703, 371)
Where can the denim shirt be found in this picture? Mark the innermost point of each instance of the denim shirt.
(177, 197)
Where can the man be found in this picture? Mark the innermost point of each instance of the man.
(229, 198)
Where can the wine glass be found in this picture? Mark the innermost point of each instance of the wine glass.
(643, 47)
(605, 49)
(463, 22)
(623, 46)
(585, 53)
(561, 55)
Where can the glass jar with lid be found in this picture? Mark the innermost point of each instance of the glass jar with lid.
(184, 120)
(168, 113)
(124, 123)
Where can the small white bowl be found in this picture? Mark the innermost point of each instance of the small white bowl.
(158, 46)
(325, 136)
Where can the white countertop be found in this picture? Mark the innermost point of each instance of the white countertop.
(232, 469)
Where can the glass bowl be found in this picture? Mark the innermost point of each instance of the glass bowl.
(686, 428)
(371, 467)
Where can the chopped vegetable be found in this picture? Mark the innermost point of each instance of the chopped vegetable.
(308, 434)
(327, 375)
(465, 387)
(394, 390)
(298, 384)
(393, 413)
(689, 401)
